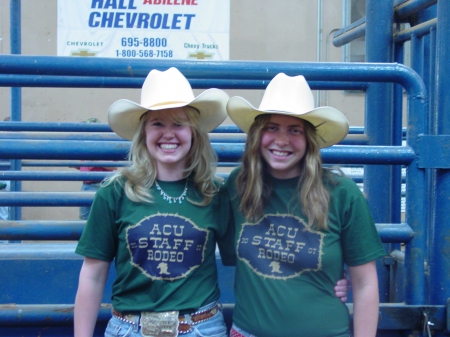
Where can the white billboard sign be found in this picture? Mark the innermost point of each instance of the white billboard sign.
(145, 29)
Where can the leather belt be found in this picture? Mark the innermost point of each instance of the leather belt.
(183, 327)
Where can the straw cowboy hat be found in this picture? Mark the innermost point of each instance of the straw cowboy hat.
(291, 96)
(163, 90)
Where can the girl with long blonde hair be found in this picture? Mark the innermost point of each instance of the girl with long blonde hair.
(159, 219)
(296, 223)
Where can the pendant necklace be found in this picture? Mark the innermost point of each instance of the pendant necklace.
(172, 200)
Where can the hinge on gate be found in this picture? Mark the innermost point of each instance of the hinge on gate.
(426, 325)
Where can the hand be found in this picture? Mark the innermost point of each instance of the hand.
(342, 287)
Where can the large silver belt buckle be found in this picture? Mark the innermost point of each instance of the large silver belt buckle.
(159, 324)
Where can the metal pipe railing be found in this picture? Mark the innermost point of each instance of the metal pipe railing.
(107, 150)
(71, 231)
(95, 127)
(411, 7)
(418, 30)
(223, 73)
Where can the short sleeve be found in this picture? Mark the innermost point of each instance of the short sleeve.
(360, 240)
(99, 237)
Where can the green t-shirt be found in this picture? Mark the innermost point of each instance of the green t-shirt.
(164, 253)
(285, 275)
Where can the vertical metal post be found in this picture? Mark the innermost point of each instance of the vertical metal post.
(429, 75)
(397, 138)
(423, 61)
(319, 56)
(16, 93)
(395, 281)
(378, 120)
(416, 208)
(431, 130)
(440, 242)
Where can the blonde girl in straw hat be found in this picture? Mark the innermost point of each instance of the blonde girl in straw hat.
(159, 219)
(297, 223)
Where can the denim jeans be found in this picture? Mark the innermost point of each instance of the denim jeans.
(246, 334)
(85, 210)
(213, 327)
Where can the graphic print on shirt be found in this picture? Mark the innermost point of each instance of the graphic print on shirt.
(166, 246)
(279, 247)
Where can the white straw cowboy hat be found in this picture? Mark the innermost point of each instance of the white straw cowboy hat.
(291, 96)
(163, 90)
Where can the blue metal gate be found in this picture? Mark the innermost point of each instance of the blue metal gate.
(38, 281)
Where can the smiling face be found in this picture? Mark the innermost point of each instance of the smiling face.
(283, 145)
(169, 140)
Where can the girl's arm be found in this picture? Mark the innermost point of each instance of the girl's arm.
(91, 284)
(365, 299)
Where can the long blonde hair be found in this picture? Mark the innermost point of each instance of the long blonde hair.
(200, 164)
(311, 192)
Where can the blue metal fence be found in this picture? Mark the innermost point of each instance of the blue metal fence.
(414, 278)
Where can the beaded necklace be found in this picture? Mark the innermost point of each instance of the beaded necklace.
(170, 199)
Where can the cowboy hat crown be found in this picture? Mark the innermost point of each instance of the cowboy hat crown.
(164, 90)
(291, 96)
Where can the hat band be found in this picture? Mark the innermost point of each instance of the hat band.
(167, 103)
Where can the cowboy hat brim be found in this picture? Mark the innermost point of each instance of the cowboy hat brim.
(124, 115)
(330, 124)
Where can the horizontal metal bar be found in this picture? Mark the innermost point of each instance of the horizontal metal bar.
(41, 230)
(89, 127)
(46, 314)
(80, 176)
(218, 137)
(358, 29)
(108, 150)
(92, 136)
(226, 70)
(54, 175)
(388, 155)
(74, 164)
(396, 316)
(48, 199)
(127, 68)
(418, 30)
(12, 135)
(48, 81)
(67, 149)
(350, 33)
(355, 139)
(54, 127)
(70, 129)
(400, 233)
(40, 251)
(410, 7)
(71, 230)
